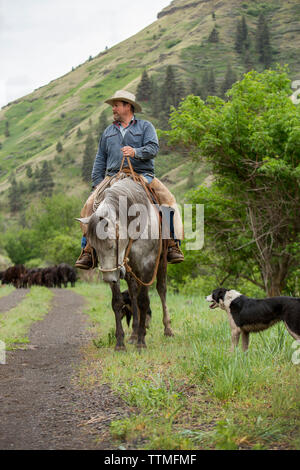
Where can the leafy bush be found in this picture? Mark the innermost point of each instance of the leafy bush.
(50, 233)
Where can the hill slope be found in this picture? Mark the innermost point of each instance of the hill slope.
(31, 126)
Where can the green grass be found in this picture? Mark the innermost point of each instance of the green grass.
(5, 290)
(190, 392)
(15, 324)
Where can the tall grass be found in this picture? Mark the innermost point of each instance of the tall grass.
(5, 290)
(191, 387)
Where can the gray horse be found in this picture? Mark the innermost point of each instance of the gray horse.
(125, 233)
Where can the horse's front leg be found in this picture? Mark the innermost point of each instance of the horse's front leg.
(133, 292)
(117, 304)
(143, 304)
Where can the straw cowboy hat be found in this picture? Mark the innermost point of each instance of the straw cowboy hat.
(123, 95)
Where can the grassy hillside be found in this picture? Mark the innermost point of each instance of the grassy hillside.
(179, 37)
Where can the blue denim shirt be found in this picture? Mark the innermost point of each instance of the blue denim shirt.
(140, 135)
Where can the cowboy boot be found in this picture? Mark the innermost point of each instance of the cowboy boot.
(175, 254)
(87, 258)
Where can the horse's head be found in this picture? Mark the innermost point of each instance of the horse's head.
(125, 214)
(105, 236)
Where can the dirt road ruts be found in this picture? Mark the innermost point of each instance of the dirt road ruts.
(39, 406)
(11, 300)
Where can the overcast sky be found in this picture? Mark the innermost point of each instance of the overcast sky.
(40, 40)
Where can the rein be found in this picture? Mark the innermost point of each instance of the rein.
(138, 179)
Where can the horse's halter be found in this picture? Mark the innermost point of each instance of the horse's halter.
(125, 260)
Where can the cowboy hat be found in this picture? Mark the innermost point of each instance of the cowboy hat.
(123, 95)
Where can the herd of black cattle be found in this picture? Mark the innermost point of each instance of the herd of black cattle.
(53, 276)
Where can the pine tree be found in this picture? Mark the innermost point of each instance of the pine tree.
(45, 181)
(6, 131)
(241, 36)
(156, 104)
(214, 35)
(263, 46)
(36, 173)
(168, 90)
(245, 36)
(171, 91)
(212, 87)
(29, 172)
(79, 132)
(144, 89)
(59, 147)
(13, 196)
(88, 159)
(102, 123)
(204, 84)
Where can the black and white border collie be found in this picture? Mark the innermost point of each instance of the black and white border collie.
(251, 315)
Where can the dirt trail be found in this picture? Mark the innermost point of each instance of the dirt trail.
(11, 300)
(39, 406)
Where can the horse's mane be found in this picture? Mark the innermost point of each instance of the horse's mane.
(126, 187)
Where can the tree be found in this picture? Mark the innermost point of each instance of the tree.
(88, 159)
(211, 85)
(7, 131)
(156, 104)
(204, 84)
(49, 232)
(59, 147)
(45, 181)
(14, 196)
(263, 45)
(241, 36)
(79, 133)
(29, 172)
(214, 36)
(144, 89)
(252, 209)
(102, 123)
(36, 173)
(168, 89)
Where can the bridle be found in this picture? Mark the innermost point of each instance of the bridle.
(126, 260)
(118, 266)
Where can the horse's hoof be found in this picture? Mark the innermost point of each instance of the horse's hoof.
(120, 348)
(141, 346)
(169, 332)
